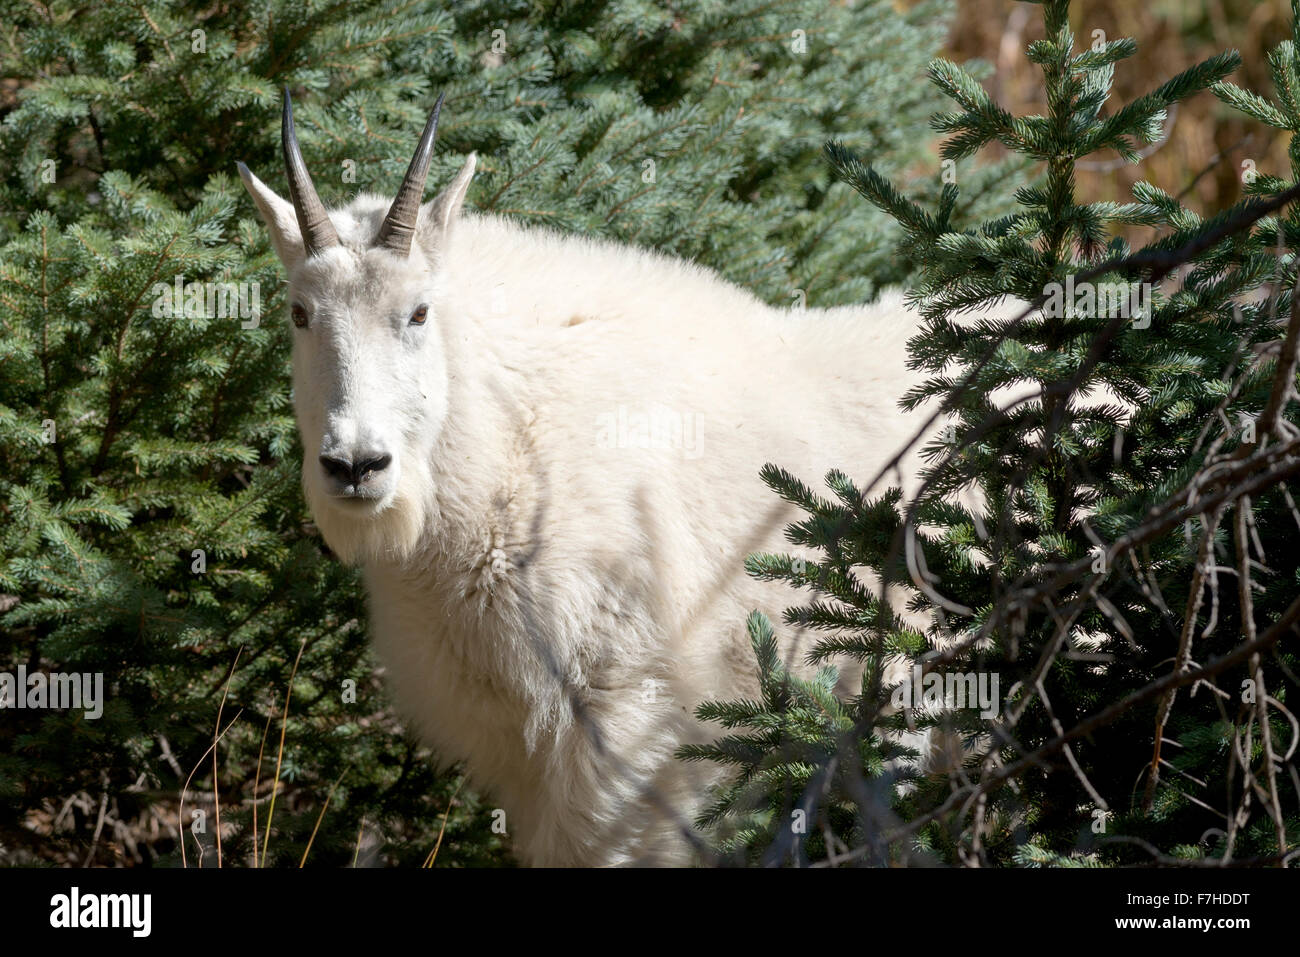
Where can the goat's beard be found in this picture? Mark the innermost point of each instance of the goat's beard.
(392, 532)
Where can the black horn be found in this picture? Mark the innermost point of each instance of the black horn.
(317, 231)
(398, 228)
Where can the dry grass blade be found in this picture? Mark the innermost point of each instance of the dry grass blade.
(433, 855)
(320, 817)
(180, 812)
(257, 780)
(279, 757)
(356, 853)
(216, 786)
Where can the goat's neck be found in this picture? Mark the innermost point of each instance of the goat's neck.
(477, 460)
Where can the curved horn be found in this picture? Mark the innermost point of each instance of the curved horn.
(317, 231)
(398, 227)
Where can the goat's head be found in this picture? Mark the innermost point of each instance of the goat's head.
(370, 376)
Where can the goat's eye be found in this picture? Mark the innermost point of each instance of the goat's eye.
(421, 313)
(299, 315)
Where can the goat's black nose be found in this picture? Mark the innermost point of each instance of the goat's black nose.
(352, 473)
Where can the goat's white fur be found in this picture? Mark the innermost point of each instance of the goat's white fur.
(550, 607)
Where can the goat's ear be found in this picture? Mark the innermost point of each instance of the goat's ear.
(439, 214)
(279, 217)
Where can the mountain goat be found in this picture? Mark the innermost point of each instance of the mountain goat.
(544, 451)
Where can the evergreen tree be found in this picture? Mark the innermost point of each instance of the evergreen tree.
(153, 528)
(1123, 547)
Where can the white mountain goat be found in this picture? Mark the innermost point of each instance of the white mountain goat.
(543, 450)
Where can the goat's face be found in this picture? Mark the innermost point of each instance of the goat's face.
(369, 371)
(370, 394)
